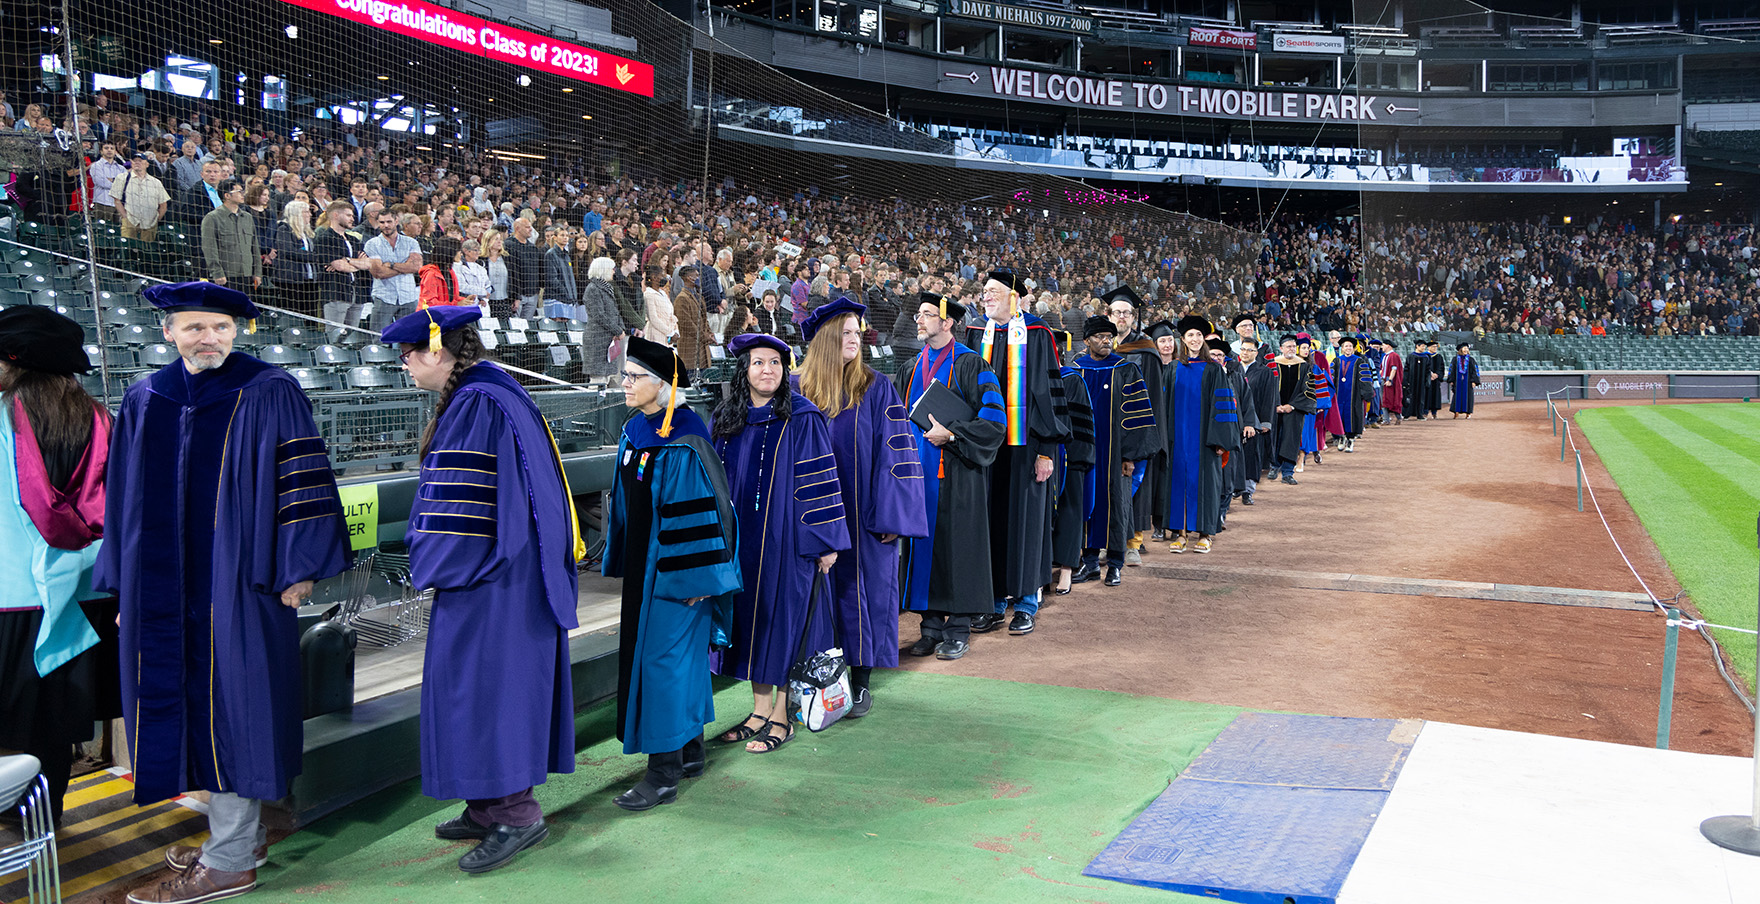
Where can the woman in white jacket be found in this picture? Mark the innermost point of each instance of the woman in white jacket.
(662, 322)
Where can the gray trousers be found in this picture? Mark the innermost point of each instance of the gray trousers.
(341, 312)
(385, 313)
(235, 831)
(530, 307)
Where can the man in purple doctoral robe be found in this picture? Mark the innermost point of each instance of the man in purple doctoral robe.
(782, 478)
(882, 484)
(221, 513)
(493, 532)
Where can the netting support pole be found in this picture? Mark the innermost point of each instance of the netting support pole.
(1579, 481)
(1740, 833)
(1665, 710)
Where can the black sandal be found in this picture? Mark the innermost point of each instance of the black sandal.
(770, 741)
(742, 731)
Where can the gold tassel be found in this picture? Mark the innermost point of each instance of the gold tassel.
(944, 307)
(433, 334)
(251, 325)
(671, 403)
(1014, 304)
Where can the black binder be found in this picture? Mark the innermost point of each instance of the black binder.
(943, 403)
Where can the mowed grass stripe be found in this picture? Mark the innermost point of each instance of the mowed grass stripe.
(1684, 464)
(1713, 427)
(1707, 538)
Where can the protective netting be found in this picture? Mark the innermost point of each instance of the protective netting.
(610, 127)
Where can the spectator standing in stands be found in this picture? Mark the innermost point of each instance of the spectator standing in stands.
(140, 200)
(297, 259)
(57, 636)
(210, 573)
(561, 293)
(627, 284)
(661, 316)
(104, 172)
(773, 320)
(602, 332)
(341, 288)
(669, 534)
(471, 276)
(396, 258)
(204, 196)
(495, 261)
(694, 333)
(187, 168)
(490, 482)
(525, 270)
(230, 252)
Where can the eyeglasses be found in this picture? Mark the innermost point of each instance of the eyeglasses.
(631, 378)
(404, 358)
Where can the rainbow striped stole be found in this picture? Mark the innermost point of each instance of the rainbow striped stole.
(1014, 383)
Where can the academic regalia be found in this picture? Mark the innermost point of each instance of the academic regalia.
(1296, 389)
(1330, 422)
(1320, 387)
(1375, 357)
(789, 505)
(1432, 388)
(1022, 353)
(1206, 421)
(220, 496)
(1234, 474)
(1124, 430)
(1072, 506)
(881, 476)
(1260, 452)
(493, 532)
(670, 534)
(1463, 375)
(1139, 349)
(1393, 383)
(1352, 389)
(949, 569)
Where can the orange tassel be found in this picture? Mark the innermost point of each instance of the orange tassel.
(671, 403)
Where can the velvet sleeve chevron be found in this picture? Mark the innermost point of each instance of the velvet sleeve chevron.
(695, 531)
(1137, 437)
(471, 473)
(309, 537)
(1222, 424)
(305, 487)
(818, 494)
(978, 439)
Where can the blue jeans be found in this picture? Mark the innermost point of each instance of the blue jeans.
(1288, 468)
(1028, 604)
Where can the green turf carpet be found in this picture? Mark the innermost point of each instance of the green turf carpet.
(951, 789)
(1692, 472)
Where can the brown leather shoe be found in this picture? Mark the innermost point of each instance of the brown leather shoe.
(197, 886)
(180, 857)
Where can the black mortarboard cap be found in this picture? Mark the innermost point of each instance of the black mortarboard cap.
(37, 338)
(1192, 322)
(1126, 293)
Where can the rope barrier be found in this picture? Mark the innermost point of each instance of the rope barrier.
(1660, 605)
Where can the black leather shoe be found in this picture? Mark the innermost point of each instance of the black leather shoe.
(951, 649)
(1291, 481)
(864, 702)
(1022, 623)
(501, 846)
(1085, 574)
(461, 828)
(694, 768)
(982, 624)
(1114, 576)
(924, 646)
(646, 796)
(1247, 499)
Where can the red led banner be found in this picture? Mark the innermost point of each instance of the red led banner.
(446, 28)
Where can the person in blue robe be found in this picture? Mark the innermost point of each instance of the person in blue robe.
(221, 512)
(1376, 355)
(1353, 387)
(1463, 375)
(671, 535)
(1206, 425)
(946, 574)
(1023, 353)
(882, 483)
(57, 635)
(776, 447)
(1071, 507)
(1125, 437)
(1314, 423)
(492, 532)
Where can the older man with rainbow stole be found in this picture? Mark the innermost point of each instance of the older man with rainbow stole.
(1023, 354)
(946, 575)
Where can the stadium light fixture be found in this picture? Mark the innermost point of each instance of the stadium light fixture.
(1567, 221)
(215, 41)
(384, 78)
(292, 32)
(525, 81)
(568, 91)
(586, 116)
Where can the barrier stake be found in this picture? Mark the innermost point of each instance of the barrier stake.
(1579, 481)
(1740, 833)
(1564, 437)
(1665, 709)
(1552, 415)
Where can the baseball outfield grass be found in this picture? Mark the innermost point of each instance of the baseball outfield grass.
(1692, 474)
